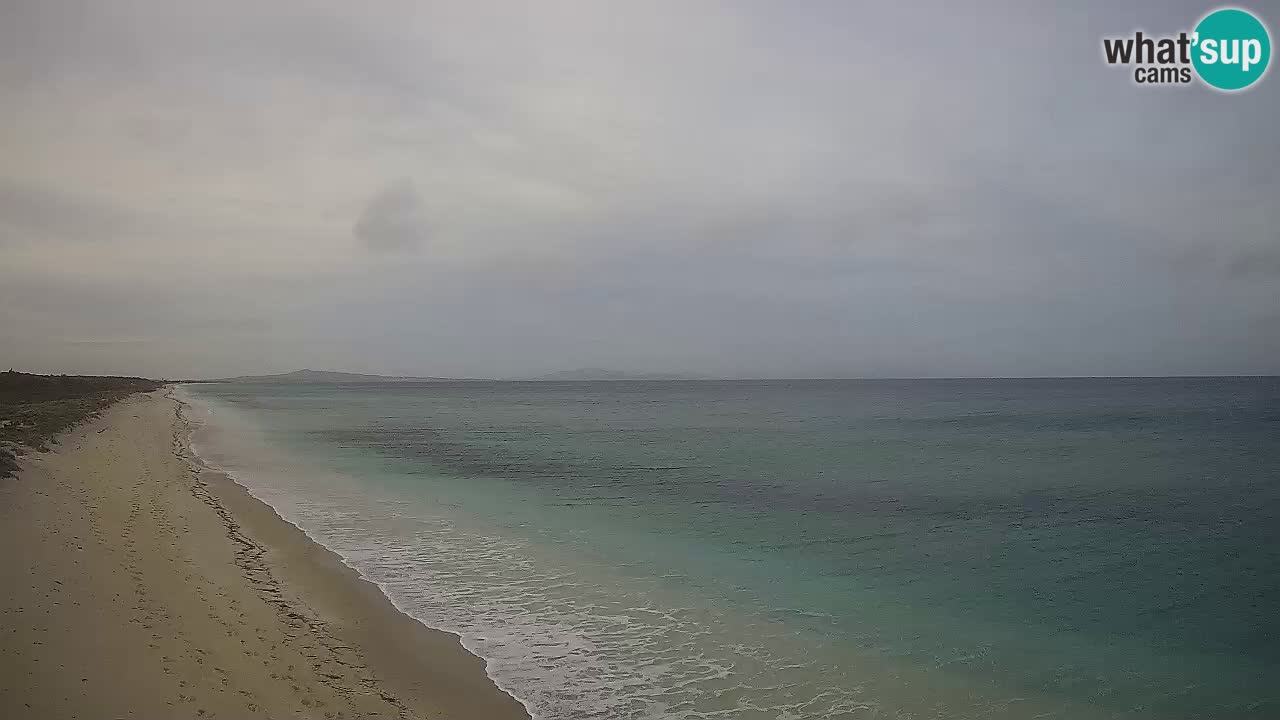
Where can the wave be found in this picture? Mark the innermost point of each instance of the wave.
(567, 638)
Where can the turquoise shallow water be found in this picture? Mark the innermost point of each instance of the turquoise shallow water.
(793, 549)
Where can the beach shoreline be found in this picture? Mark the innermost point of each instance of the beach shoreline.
(155, 586)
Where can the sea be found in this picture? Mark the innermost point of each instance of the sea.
(787, 549)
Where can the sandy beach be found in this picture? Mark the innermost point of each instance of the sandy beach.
(135, 584)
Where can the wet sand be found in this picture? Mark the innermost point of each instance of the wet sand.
(135, 584)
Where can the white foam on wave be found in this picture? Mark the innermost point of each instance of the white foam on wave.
(568, 639)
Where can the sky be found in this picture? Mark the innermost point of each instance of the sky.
(739, 189)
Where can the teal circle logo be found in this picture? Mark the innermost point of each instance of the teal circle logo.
(1231, 49)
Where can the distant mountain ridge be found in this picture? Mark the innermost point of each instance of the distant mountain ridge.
(334, 377)
(603, 374)
(327, 376)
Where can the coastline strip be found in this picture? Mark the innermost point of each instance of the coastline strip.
(137, 582)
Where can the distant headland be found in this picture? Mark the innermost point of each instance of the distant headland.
(331, 377)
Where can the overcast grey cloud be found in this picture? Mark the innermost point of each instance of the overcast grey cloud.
(394, 218)
(497, 189)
